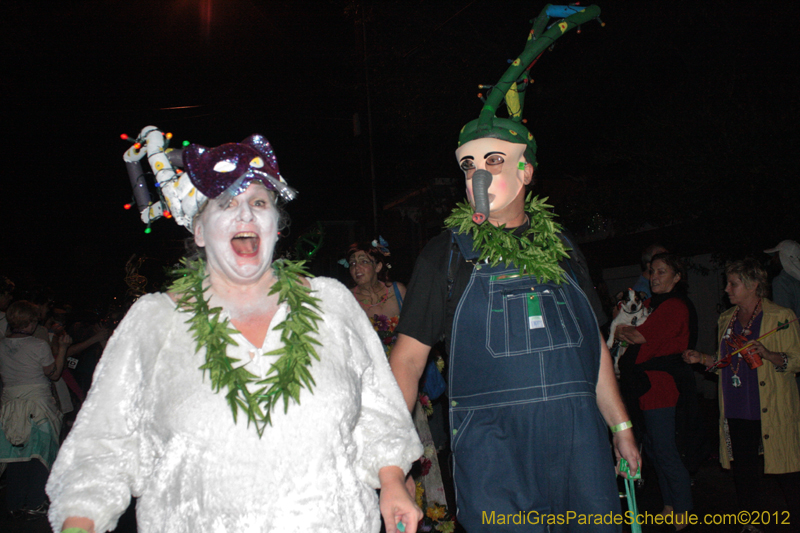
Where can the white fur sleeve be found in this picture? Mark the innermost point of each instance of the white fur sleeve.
(103, 461)
(385, 433)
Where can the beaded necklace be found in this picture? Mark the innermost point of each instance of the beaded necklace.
(735, 343)
(382, 301)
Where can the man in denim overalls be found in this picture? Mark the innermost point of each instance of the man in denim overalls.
(531, 382)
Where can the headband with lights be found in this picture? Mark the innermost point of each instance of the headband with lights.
(220, 172)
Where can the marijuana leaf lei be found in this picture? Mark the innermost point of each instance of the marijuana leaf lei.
(536, 251)
(287, 376)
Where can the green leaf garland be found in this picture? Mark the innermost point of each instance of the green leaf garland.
(287, 376)
(536, 251)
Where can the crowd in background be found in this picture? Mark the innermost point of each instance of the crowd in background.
(763, 413)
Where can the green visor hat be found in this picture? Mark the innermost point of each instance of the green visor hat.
(552, 23)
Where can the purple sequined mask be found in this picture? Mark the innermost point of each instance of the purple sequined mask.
(231, 167)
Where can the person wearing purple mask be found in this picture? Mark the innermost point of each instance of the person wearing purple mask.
(250, 397)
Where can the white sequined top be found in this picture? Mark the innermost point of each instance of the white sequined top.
(153, 428)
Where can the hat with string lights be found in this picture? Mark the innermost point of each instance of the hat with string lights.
(552, 23)
(220, 172)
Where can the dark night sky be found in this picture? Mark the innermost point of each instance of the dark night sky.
(76, 74)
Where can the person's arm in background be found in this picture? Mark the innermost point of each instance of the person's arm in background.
(100, 336)
(60, 345)
(408, 359)
(422, 319)
(629, 334)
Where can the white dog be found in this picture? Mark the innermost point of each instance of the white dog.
(632, 312)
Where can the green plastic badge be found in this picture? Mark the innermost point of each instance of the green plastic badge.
(401, 527)
(535, 319)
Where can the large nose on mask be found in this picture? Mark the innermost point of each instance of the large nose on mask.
(481, 181)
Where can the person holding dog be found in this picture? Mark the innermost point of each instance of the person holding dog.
(531, 384)
(650, 374)
(758, 399)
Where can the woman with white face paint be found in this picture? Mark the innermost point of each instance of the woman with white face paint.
(249, 398)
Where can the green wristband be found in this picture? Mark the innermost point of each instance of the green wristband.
(75, 530)
(620, 427)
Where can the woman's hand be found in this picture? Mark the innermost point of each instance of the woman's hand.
(101, 336)
(692, 357)
(62, 342)
(80, 522)
(773, 357)
(625, 446)
(65, 339)
(397, 505)
(629, 335)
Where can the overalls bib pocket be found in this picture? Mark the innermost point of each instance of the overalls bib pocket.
(526, 317)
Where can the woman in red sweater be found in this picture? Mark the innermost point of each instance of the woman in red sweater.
(664, 333)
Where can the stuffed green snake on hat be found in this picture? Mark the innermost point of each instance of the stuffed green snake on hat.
(538, 249)
(512, 84)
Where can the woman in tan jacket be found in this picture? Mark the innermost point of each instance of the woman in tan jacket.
(759, 405)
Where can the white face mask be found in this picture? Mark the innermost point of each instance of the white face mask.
(790, 261)
(501, 159)
(239, 238)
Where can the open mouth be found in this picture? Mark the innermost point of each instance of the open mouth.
(245, 243)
